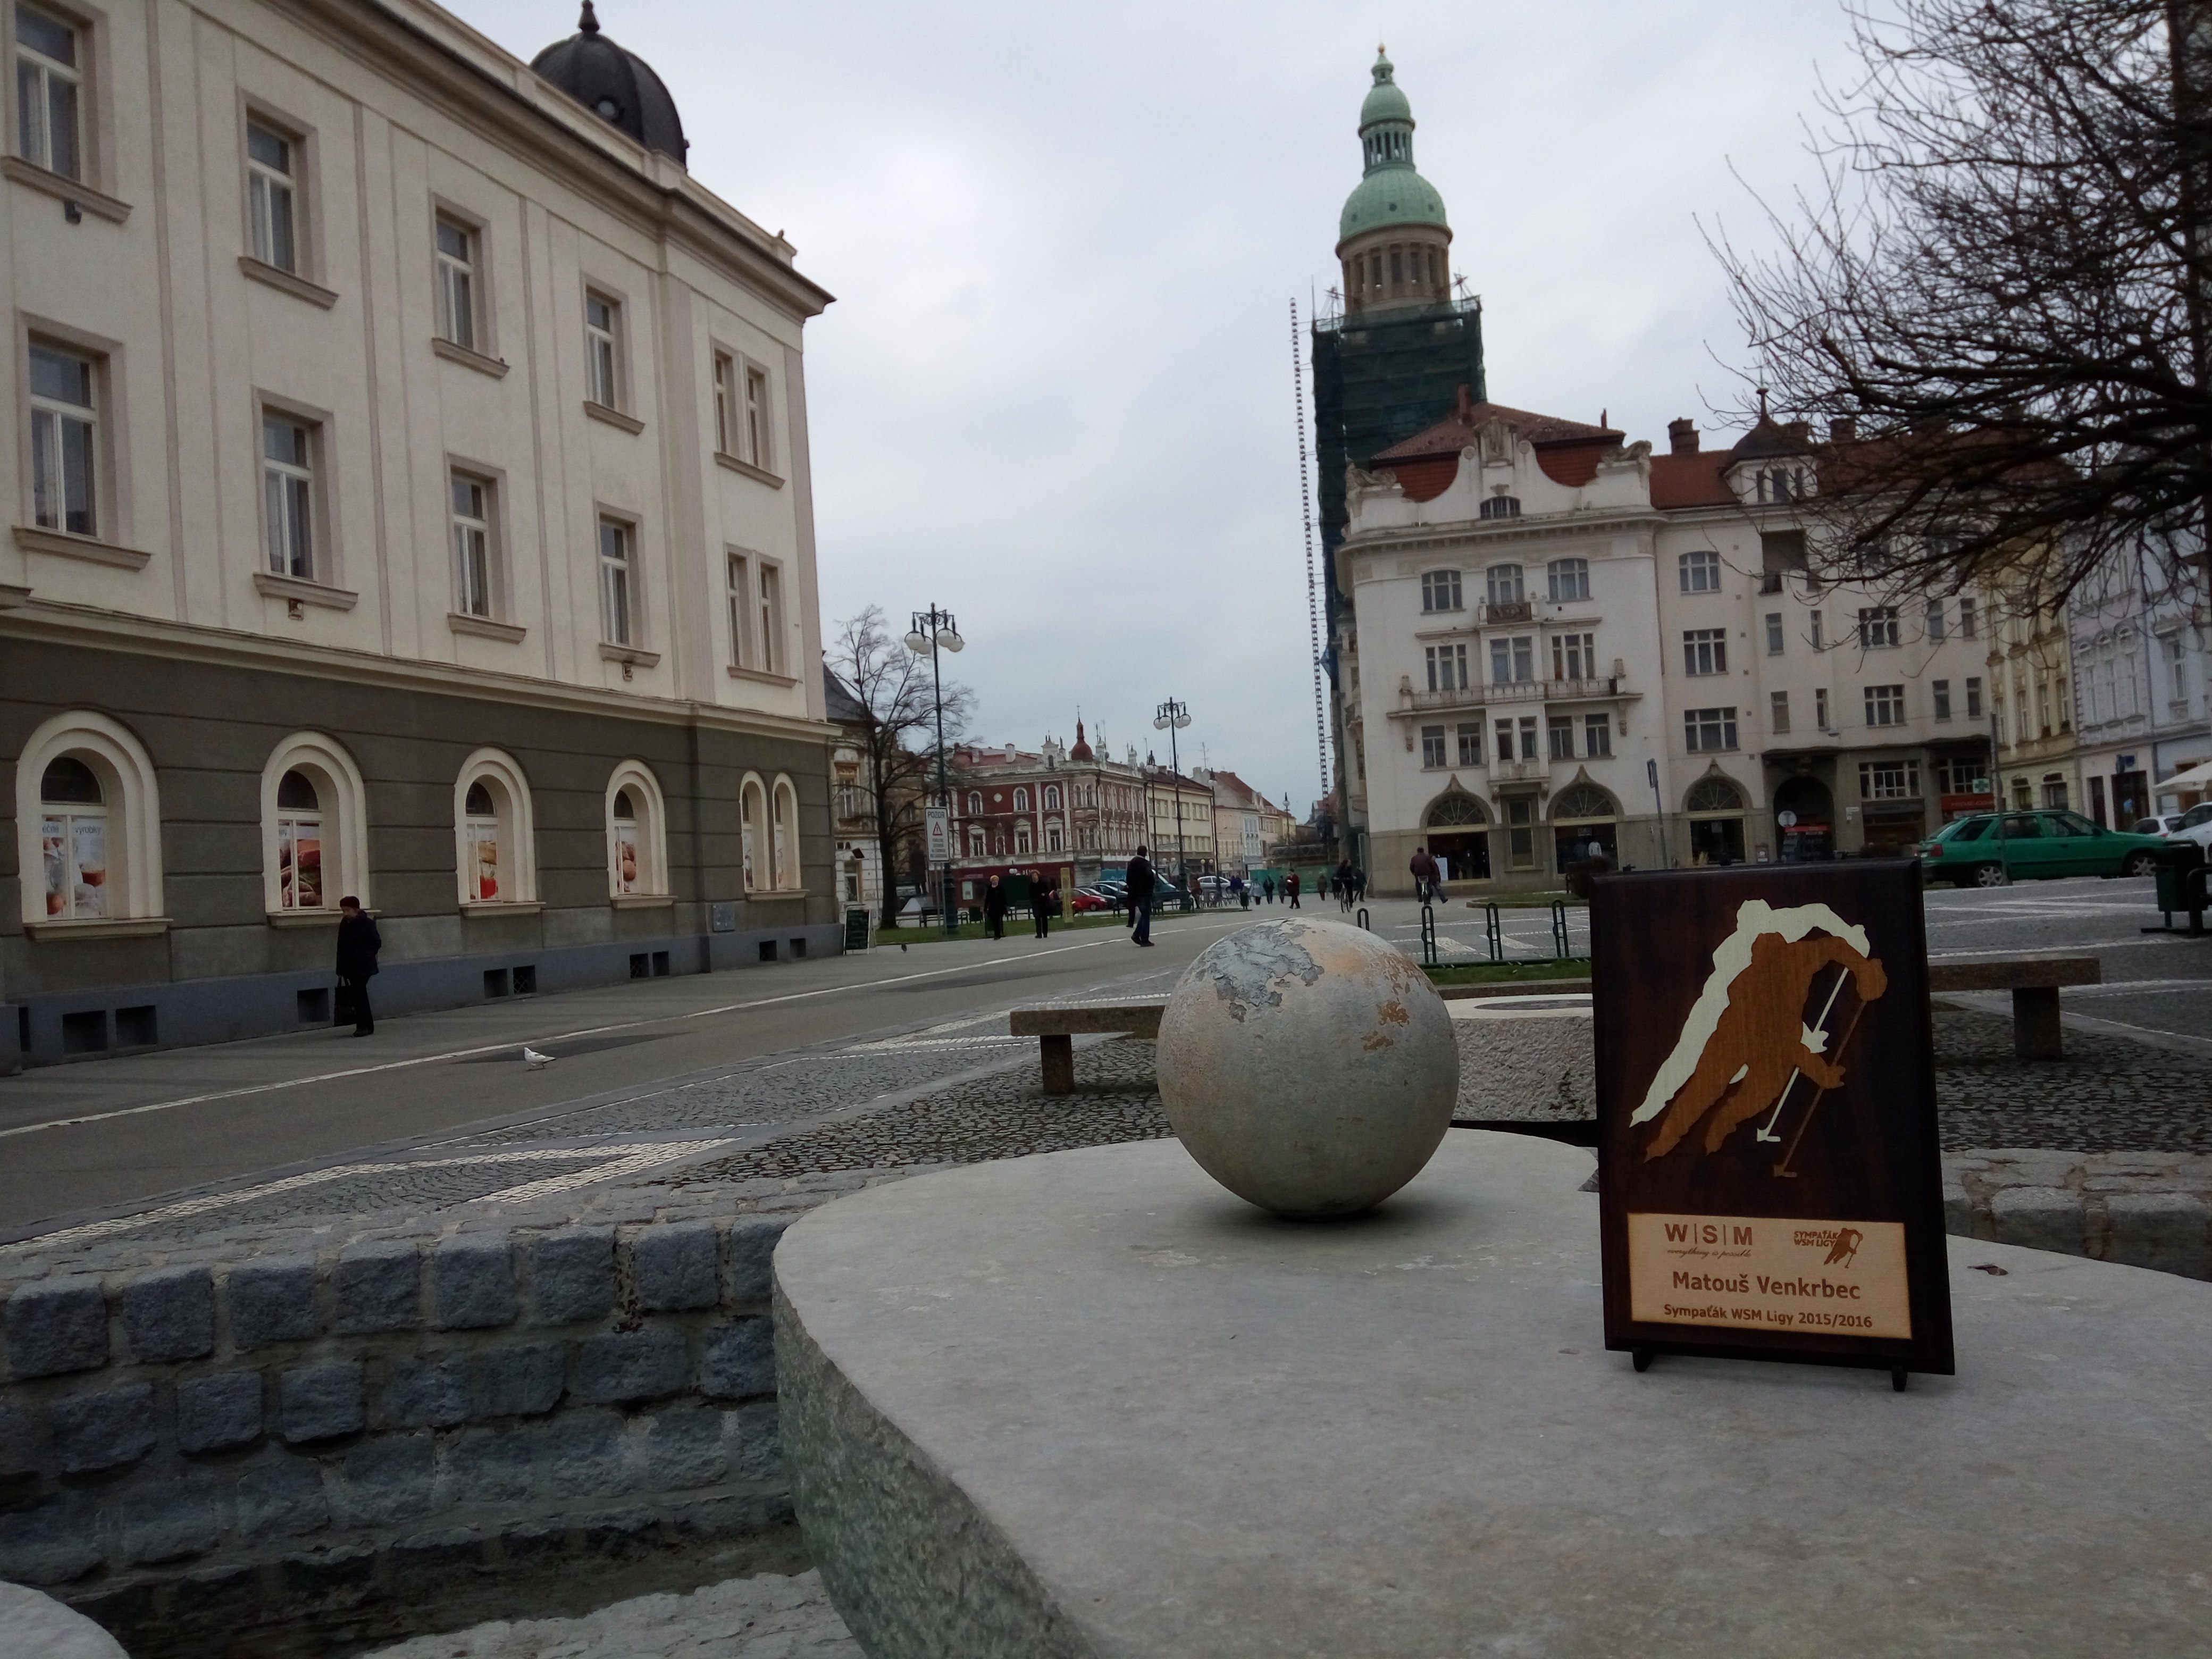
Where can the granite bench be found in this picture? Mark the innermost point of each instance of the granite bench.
(2033, 982)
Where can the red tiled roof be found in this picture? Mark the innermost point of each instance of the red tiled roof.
(1456, 431)
(1691, 480)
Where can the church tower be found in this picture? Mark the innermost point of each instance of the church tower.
(1389, 364)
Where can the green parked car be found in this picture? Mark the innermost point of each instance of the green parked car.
(1993, 848)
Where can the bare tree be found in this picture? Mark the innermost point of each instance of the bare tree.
(898, 737)
(2001, 292)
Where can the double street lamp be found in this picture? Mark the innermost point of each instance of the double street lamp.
(933, 629)
(1172, 717)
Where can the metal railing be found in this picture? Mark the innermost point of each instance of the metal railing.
(1411, 701)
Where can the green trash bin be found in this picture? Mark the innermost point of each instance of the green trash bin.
(2175, 860)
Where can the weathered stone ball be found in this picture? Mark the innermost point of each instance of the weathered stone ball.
(1308, 1066)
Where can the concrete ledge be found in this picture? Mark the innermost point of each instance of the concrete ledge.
(36, 1626)
(1089, 1404)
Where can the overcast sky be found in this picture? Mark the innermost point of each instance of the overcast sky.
(1055, 393)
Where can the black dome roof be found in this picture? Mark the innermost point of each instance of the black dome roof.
(618, 87)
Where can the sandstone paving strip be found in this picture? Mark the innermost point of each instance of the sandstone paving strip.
(767, 1617)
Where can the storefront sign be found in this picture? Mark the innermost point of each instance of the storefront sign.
(1769, 1184)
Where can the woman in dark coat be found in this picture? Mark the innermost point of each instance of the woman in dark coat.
(994, 909)
(358, 944)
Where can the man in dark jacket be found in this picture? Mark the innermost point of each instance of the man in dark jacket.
(1140, 882)
(358, 944)
(1041, 898)
(994, 909)
(1424, 869)
(1290, 889)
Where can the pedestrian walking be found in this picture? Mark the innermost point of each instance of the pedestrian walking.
(1291, 890)
(1236, 891)
(1269, 884)
(1140, 897)
(994, 909)
(1423, 868)
(1343, 873)
(358, 944)
(1359, 883)
(1040, 904)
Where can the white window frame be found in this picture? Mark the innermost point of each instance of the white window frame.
(1441, 591)
(35, 124)
(618, 583)
(1505, 583)
(50, 417)
(1940, 697)
(511, 824)
(1433, 748)
(1777, 712)
(459, 282)
(725, 401)
(292, 499)
(475, 543)
(266, 182)
(1567, 580)
(1700, 570)
(1574, 656)
(1698, 723)
(130, 802)
(605, 360)
(770, 610)
(1885, 705)
(643, 834)
(738, 573)
(1704, 652)
(1878, 628)
(757, 418)
(343, 800)
(783, 799)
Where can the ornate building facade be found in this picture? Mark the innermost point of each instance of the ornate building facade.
(412, 500)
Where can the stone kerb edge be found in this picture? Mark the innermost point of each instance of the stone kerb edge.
(273, 1424)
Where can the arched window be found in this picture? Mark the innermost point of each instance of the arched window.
(975, 840)
(1454, 807)
(1499, 506)
(1713, 795)
(1503, 583)
(637, 833)
(495, 854)
(785, 802)
(753, 833)
(1583, 803)
(88, 820)
(1051, 797)
(1023, 845)
(314, 827)
(974, 805)
(1021, 800)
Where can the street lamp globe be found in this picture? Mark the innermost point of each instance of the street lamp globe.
(1161, 723)
(1182, 720)
(917, 642)
(951, 641)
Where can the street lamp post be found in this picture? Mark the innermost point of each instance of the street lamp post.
(1172, 717)
(932, 629)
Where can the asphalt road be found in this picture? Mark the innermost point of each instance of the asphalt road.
(103, 1134)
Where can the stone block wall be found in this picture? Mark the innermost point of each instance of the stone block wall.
(2143, 1209)
(224, 1441)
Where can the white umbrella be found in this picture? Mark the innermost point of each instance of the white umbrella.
(2196, 777)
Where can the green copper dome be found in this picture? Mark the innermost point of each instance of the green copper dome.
(1392, 194)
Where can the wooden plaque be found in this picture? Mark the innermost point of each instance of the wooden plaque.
(1769, 1182)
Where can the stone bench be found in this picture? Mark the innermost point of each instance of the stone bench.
(2033, 982)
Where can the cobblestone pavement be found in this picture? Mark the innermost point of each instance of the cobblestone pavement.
(767, 1617)
(2110, 1094)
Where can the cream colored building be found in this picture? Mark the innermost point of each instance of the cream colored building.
(411, 498)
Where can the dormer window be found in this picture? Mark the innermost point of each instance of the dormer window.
(1500, 507)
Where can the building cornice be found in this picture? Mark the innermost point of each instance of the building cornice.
(87, 627)
(1477, 532)
(426, 55)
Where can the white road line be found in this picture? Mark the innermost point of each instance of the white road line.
(565, 1037)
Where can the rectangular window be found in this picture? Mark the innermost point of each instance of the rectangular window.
(1446, 667)
(457, 283)
(1527, 736)
(1774, 637)
(1815, 635)
(1940, 694)
(1704, 651)
(1574, 656)
(272, 196)
(1889, 780)
(1973, 698)
(1708, 729)
(1778, 710)
(1936, 622)
(740, 599)
(1524, 658)
(756, 444)
(1878, 628)
(1560, 732)
(1440, 591)
(1502, 584)
(1506, 740)
(1432, 746)
(771, 619)
(49, 92)
(287, 486)
(1966, 619)
(616, 597)
(725, 394)
(472, 545)
(1470, 745)
(602, 383)
(1820, 710)
(1885, 705)
(1569, 579)
(2177, 668)
(1701, 571)
(1597, 735)
(64, 433)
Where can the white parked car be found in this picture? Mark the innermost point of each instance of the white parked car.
(2161, 826)
(2195, 825)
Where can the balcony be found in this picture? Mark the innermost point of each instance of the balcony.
(1521, 771)
(1517, 693)
(1516, 610)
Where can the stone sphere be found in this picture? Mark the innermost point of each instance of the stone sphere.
(1307, 1065)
